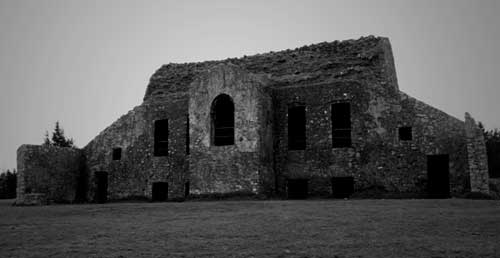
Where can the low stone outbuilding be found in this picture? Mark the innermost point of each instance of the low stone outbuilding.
(321, 120)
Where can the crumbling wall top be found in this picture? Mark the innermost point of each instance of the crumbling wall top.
(327, 61)
(477, 156)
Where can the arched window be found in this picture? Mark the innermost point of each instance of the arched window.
(222, 113)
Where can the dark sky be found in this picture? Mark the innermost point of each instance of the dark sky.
(85, 63)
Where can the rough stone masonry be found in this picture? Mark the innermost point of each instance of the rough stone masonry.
(326, 119)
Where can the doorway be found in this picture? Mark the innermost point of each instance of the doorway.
(438, 176)
(297, 188)
(160, 192)
(342, 187)
(101, 190)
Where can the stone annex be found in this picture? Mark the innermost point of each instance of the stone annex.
(321, 120)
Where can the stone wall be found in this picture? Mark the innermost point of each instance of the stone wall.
(319, 161)
(134, 174)
(262, 86)
(477, 156)
(377, 158)
(366, 59)
(49, 173)
(245, 166)
(434, 133)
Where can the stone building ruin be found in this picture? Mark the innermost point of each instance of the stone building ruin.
(321, 120)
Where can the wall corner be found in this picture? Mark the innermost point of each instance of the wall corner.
(476, 156)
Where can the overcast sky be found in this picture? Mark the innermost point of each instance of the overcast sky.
(86, 63)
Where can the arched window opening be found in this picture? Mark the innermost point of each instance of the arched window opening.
(222, 120)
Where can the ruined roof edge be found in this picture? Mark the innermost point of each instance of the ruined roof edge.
(159, 73)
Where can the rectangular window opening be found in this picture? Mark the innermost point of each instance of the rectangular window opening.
(405, 133)
(341, 125)
(297, 128)
(187, 135)
(117, 153)
(161, 138)
(186, 189)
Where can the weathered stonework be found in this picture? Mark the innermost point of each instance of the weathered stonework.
(262, 88)
(48, 174)
(134, 173)
(477, 157)
(241, 167)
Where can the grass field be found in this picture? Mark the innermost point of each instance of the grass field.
(312, 228)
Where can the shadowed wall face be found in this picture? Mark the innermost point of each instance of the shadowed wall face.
(54, 172)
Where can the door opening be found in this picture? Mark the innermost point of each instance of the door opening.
(160, 191)
(297, 188)
(342, 187)
(101, 187)
(438, 176)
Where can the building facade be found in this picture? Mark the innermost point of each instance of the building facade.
(320, 120)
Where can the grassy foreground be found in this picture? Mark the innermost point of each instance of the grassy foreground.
(311, 228)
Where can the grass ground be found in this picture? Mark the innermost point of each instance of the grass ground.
(311, 228)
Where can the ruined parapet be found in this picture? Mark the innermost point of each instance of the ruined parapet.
(367, 58)
(476, 156)
(48, 174)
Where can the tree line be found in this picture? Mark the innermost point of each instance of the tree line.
(58, 138)
(8, 178)
(492, 140)
(8, 183)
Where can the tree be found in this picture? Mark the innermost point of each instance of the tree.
(492, 140)
(8, 181)
(58, 138)
(46, 140)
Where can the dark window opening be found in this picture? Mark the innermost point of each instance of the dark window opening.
(101, 187)
(222, 113)
(117, 153)
(159, 191)
(187, 135)
(342, 187)
(161, 138)
(438, 176)
(186, 189)
(297, 128)
(297, 188)
(341, 125)
(405, 133)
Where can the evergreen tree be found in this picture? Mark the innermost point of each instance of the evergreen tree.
(8, 180)
(46, 140)
(492, 140)
(58, 138)
(481, 127)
